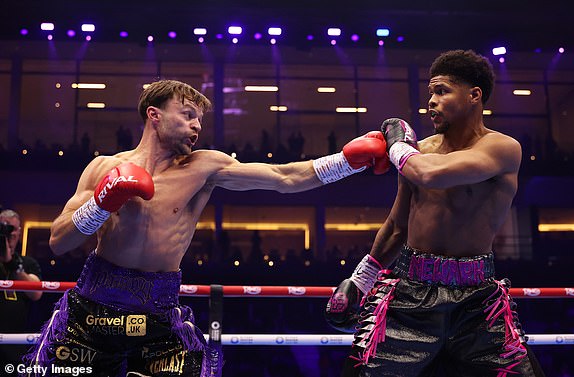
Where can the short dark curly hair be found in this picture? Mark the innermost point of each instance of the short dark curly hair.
(468, 67)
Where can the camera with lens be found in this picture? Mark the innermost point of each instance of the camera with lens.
(6, 229)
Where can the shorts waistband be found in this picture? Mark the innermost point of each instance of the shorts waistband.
(439, 269)
(130, 289)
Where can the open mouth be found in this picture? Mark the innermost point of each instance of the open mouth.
(191, 140)
(433, 114)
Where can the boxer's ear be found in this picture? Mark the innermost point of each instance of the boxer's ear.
(475, 95)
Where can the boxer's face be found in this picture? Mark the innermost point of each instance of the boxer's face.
(179, 125)
(449, 102)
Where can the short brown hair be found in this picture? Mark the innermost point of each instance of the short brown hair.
(159, 92)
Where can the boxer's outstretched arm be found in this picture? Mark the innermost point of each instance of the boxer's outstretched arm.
(358, 154)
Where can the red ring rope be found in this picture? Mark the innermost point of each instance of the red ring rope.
(258, 291)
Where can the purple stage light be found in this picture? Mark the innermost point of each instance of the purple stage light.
(501, 60)
(88, 38)
(381, 43)
(354, 37)
(218, 36)
(310, 37)
(333, 42)
(150, 38)
(200, 39)
(273, 41)
(24, 31)
(123, 34)
(400, 38)
(50, 37)
(257, 36)
(561, 50)
(172, 34)
(71, 33)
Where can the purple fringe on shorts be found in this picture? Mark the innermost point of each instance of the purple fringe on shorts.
(155, 293)
(52, 331)
(181, 319)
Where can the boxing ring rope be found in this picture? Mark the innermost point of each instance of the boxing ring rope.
(261, 291)
(217, 292)
(300, 339)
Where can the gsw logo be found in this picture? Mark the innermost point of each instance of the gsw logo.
(251, 290)
(112, 184)
(297, 291)
(531, 291)
(190, 289)
(51, 284)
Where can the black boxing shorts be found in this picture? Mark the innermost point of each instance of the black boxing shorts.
(437, 313)
(122, 322)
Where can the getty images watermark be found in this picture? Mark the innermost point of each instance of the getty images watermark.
(37, 370)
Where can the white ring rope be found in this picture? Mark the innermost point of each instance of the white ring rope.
(300, 339)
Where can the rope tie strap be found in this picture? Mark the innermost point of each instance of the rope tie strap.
(501, 304)
(372, 323)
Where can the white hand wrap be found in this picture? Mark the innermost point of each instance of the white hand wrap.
(365, 274)
(333, 167)
(89, 217)
(400, 152)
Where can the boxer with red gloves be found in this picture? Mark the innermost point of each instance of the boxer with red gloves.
(145, 211)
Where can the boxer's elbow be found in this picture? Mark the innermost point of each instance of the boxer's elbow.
(58, 243)
(56, 246)
(428, 176)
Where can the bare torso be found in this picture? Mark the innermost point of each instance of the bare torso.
(154, 235)
(460, 220)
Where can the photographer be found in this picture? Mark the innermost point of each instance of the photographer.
(14, 306)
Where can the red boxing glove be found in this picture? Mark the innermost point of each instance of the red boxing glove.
(120, 184)
(114, 190)
(368, 150)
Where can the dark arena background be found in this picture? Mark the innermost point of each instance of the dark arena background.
(290, 81)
